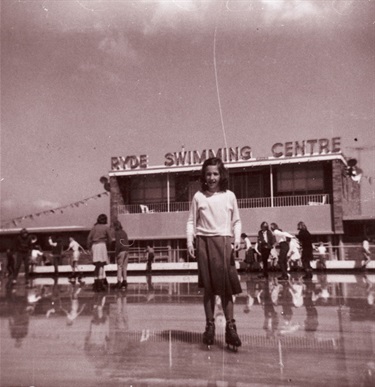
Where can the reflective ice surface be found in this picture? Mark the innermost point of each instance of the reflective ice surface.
(318, 332)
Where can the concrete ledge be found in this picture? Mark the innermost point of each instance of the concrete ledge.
(192, 279)
(177, 267)
(132, 267)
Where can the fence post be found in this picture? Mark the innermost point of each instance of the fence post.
(341, 249)
(330, 249)
(170, 252)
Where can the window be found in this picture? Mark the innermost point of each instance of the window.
(151, 189)
(247, 185)
(300, 179)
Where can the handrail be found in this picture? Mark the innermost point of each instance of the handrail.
(347, 251)
(277, 201)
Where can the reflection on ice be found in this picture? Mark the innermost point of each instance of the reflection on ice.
(295, 331)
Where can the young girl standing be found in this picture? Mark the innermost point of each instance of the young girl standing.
(213, 220)
(98, 239)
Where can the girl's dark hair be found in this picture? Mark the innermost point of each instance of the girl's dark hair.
(301, 226)
(102, 219)
(243, 235)
(275, 226)
(223, 183)
(264, 224)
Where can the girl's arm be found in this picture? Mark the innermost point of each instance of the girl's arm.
(190, 228)
(286, 234)
(237, 225)
(82, 249)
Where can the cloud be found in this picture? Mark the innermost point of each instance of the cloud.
(287, 10)
(9, 204)
(149, 17)
(118, 47)
(46, 204)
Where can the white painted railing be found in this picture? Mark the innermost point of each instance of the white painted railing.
(280, 201)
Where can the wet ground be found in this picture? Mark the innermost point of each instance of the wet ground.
(299, 333)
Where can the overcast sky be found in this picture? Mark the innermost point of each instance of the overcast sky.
(82, 81)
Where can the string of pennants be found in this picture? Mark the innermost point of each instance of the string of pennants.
(56, 210)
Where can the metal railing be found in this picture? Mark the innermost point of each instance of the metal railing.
(344, 252)
(277, 201)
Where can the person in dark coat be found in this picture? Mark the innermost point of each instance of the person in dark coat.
(57, 249)
(22, 248)
(266, 240)
(307, 249)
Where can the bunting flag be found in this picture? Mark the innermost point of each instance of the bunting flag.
(16, 221)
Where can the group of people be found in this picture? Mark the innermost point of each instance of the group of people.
(99, 238)
(290, 247)
(27, 251)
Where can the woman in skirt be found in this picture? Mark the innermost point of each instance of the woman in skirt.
(99, 237)
(213, 221)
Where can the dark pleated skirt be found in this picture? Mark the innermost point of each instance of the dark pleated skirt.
(217, 272)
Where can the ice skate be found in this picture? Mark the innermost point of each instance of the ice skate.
(231, 337)
(123, 285)
(118, 285)
(209, 333)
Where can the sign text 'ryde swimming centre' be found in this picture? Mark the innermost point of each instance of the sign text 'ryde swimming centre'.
(232, 154)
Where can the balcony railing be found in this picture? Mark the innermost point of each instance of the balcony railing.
(279, 201)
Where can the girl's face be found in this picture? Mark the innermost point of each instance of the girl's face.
(212, 176)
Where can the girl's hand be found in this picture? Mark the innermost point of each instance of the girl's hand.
(237, 246)
(191, 251)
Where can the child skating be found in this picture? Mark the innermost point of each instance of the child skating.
(213, 221)
(76, 249)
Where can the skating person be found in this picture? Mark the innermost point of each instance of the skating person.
(150, 256)
(23, 248)
(305, 238)
(121, 254)
(57, 249)
(213, 220)
(266, 241)
(366, 253)
(294, 254)
(99, 237)
(76, 249)
(36, 252)
(322, 254)
(281, 239)
(249, 252)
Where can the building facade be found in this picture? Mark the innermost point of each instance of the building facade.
(302, 181)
